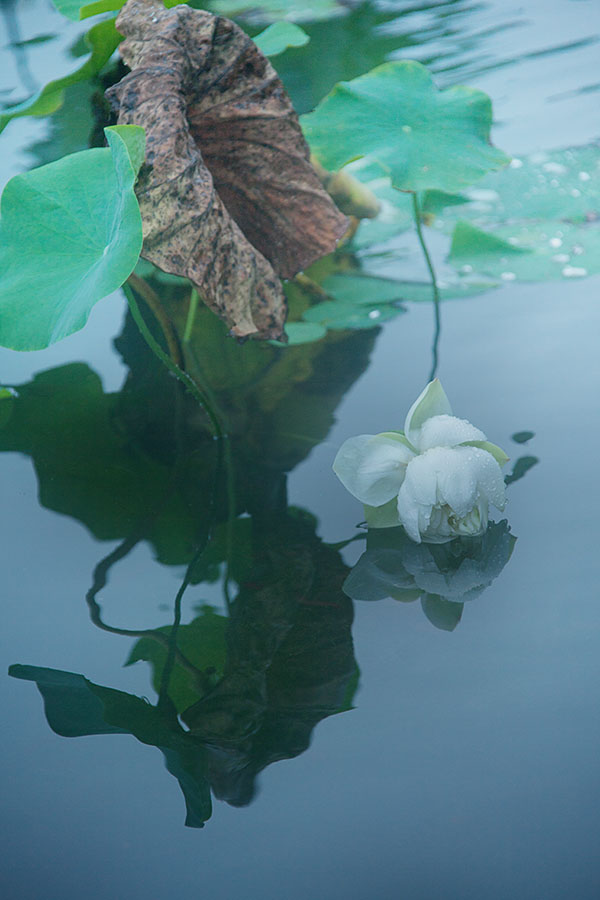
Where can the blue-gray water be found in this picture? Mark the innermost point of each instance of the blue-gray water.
(468, 766)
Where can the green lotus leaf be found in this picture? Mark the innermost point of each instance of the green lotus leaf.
(521, 437)
(302, 333)
(528, 251)
(103, 39)
(70, 8)
(83, 9)
(67, 130)
(337, 316)
(545, 207)
(421, 137)
(271, 10)
(560, 186)
(359, 300)
(363, 290)
(70, 233)
(435, 202)
(521, 467)
(279, 36)
(366, 290)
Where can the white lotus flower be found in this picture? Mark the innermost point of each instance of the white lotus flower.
(437, 478)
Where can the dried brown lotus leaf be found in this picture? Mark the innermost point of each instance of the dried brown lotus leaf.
(228, 196)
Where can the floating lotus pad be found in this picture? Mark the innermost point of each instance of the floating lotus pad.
(70, 233)
(423, 138)
(103, 39)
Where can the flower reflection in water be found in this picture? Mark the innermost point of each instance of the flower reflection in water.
(442, 576)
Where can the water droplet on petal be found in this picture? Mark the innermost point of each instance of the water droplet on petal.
(516, 163)
(561, 258)
(374, 314)
(577, 249)
(584, 176)
(574, 272)
(466, 269)
(508, 276)
(555, 242)
(406, 129)
(575, 192)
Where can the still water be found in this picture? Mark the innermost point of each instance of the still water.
(363, 751)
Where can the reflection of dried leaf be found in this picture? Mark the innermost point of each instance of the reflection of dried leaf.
(228, 196)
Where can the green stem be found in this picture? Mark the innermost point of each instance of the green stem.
(152, 301)
(201, 397)
(225, 446)
(341, 544)
(172, 649)
(154, 634)
(435, 291)
(230, 483)
(185, 379)
(189, 322)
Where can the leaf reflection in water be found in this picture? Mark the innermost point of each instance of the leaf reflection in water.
(250, 689)
(236, 692)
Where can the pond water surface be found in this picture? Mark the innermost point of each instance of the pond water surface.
(354, 749)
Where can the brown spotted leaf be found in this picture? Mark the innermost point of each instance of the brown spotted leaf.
(228, 196)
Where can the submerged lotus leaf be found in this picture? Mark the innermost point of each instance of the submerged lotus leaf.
(103, 39)
(303, 333)
(423, 138)
(70, 233)
(363, 290)
(528, 251)
(228, 196)
(536, 220)
(339, 316)
(354, 299)
(559, 186)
